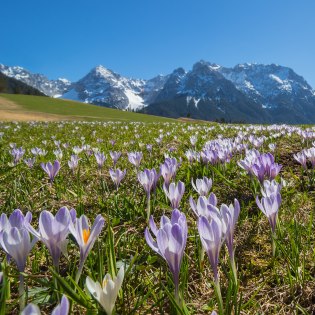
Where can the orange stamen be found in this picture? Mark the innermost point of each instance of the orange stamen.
(86, 235)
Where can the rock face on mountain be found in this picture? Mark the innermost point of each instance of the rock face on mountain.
(252, 93)
(54, 88)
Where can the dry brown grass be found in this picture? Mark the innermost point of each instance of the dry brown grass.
(11, 111)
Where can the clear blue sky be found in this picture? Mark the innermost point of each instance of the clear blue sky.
(142, 38)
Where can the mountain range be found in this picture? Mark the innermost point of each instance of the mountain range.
(253, 93)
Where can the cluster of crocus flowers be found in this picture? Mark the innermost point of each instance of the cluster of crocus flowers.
(170, 242)
(106, 293)
(51, 169)
(262, 166)
(306, 155)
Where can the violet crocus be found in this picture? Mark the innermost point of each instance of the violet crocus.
(174, 193)
(271, 187)
(148, 179)
(202, 206)
(51, 169)
(16, 219)
(301, 158)
(310, 154)
(115, 156)
(117, 176)
(100, 159)
(170, 242)
(212, 237)
(85, 236)
(135, 158)
(61, 309)
(30, 162)
(202, 186)
(168, 170)
(270, 205)
(230, 216)
(53, 232)
(17, 154)
(73, 162)
(16, 242)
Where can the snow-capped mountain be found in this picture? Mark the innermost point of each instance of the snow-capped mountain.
(247, 92)
(54, 88)
(104, 87)
(266, 83)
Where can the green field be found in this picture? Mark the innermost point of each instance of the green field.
(71, 110)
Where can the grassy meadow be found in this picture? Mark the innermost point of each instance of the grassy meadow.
(267, 283)
(29, 107)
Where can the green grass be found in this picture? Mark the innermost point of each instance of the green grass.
(77, 111)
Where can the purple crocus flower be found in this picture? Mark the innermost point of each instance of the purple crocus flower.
(117, 176)
(230, 215)
(135, 158)
(301, 158)
(100, 159)
(85, 236)
(53, 232)
(174, 193)
(51, 169)
(30, 162)
(310, 154)
(31, 309)
(115, 156)
(168, 170)
(270, 187)
(270, 207)
(16, 219)
(202, 207)
(73, 162)
(170, 241)
(17, 244)
(60, 309)
(149, 148)
(148, 179)
(202, 186)
(212, 237)
(17, 154)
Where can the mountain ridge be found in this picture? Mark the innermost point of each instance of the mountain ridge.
(249, 92)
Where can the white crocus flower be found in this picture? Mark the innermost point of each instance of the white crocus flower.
(106, 294)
